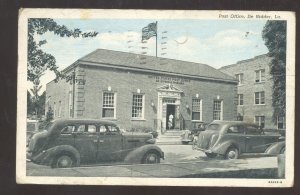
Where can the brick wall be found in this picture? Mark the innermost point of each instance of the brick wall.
(125, 83)
(89, 96)
(249, 110)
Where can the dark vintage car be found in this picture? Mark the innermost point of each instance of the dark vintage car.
(32, 127)
(191, 135)
(71, 142)
(232, 138)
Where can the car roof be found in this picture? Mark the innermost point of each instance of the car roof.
(83, 120)
(233, 123)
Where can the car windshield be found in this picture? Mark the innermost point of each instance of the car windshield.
(215, 127)
(47, 126)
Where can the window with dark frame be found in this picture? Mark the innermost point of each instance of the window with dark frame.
(108, 107)
(260, 121)
(196, 109)
(281, 122)
(240, 78)
(259, 98)
(240, 99)
(137, 106)
(217, 110)
(260, 75)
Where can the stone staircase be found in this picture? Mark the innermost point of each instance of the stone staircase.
(171, 137)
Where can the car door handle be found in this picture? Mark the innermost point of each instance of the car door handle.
(247, 137)
(101, 141)
(95, 140)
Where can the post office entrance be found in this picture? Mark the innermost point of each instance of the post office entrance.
(170, 119)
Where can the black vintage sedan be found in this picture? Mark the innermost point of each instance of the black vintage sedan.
(232, 138)
(71, 142)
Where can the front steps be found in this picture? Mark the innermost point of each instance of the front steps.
(170, 137)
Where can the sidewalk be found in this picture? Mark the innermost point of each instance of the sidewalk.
(262, 167)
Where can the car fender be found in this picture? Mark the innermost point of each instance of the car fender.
(222, 148)
(137, 155)
(46, 157)
(275, 148)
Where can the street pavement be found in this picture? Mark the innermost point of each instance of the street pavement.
(180, 161)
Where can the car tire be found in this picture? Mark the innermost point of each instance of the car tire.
(185, 142)
(232, 153)
(211, 155)
(151, 157)
(63, 161)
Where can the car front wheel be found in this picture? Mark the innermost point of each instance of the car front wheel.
(232, 153)
(151, 157)
(63, 161)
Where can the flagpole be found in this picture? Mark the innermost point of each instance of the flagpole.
(156, 38)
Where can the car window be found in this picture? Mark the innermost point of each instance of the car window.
(102, 129)
(81, 128)
(253, 130)
(92, 128)
(236, 129)
(68, 129)
(112, 128)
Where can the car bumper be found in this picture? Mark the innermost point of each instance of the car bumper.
(42, 158)
(203, 150)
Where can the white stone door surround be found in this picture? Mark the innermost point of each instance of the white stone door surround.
(167, 94)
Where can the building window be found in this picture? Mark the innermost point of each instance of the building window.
(70, 104)
(260, 121)
(281, 122)
(137, 106)
(218, 110)
(260, 75)
(108, 108)
(240, 78)
(240, 99)
(259, 98)
(197, 109)
(54, 110)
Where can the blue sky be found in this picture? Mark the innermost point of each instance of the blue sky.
(213, 42)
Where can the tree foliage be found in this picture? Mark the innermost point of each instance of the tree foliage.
(274, 35)
(30, 108)
(38, 60)
(36, 103)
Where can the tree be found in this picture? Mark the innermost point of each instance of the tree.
(29, 104)
(274, 35)
(38, 60)
(36, 99)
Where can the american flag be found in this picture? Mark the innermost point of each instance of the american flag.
(149, 31)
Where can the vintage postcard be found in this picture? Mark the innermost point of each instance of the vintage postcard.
(148, 97)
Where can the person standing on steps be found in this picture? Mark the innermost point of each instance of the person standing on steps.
(170, 121)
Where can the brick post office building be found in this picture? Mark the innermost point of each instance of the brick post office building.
(143, 91)
(255, 91)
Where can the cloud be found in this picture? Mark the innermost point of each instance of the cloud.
(228, 39)
(219, 49)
